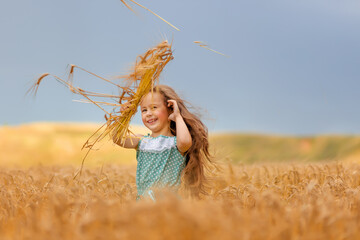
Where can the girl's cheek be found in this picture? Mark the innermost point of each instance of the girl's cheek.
(163, 114)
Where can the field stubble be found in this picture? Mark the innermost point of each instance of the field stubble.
(260, 201)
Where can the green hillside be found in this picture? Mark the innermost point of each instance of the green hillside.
(250, 148)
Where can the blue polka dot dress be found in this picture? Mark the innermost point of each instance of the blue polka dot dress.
(159, 165)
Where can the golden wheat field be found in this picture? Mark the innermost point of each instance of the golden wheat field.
(280, 201)
(253, 201)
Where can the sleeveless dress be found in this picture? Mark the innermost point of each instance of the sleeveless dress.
(159, 165)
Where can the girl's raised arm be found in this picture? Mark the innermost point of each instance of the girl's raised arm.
(183, 136)
(129, 142)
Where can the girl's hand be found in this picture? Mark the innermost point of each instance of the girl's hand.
(176, 112)
(124, 107)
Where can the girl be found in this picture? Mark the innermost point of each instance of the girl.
(177, 148)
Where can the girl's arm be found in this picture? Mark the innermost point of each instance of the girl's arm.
(183, 137)
(129, 142)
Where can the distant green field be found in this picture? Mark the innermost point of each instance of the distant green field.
(60, 143)
(248, 148)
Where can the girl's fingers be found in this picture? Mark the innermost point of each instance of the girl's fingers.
(170, 103)
(124, 106)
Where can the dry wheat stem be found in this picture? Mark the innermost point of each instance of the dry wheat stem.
(203, 45)
(75, 66)
(100, 103)
(127, 5)
(123, 1)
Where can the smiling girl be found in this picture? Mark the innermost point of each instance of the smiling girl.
(176, 149)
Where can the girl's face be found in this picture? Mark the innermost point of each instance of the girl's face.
(154, 113)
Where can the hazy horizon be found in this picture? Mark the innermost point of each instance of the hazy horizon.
(211, 132)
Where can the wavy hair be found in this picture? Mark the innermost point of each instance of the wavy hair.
(198, 158)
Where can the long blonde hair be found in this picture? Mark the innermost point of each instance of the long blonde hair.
(198, 158)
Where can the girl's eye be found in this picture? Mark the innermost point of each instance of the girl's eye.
(144, 110)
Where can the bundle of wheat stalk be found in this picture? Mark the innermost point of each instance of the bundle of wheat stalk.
(144, 76)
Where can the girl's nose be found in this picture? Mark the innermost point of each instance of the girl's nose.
(149, 112)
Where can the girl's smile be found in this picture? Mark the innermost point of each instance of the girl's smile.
(151, 121)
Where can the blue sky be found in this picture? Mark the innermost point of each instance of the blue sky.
(294, 66)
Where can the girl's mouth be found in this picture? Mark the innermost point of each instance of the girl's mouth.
(151, 121)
